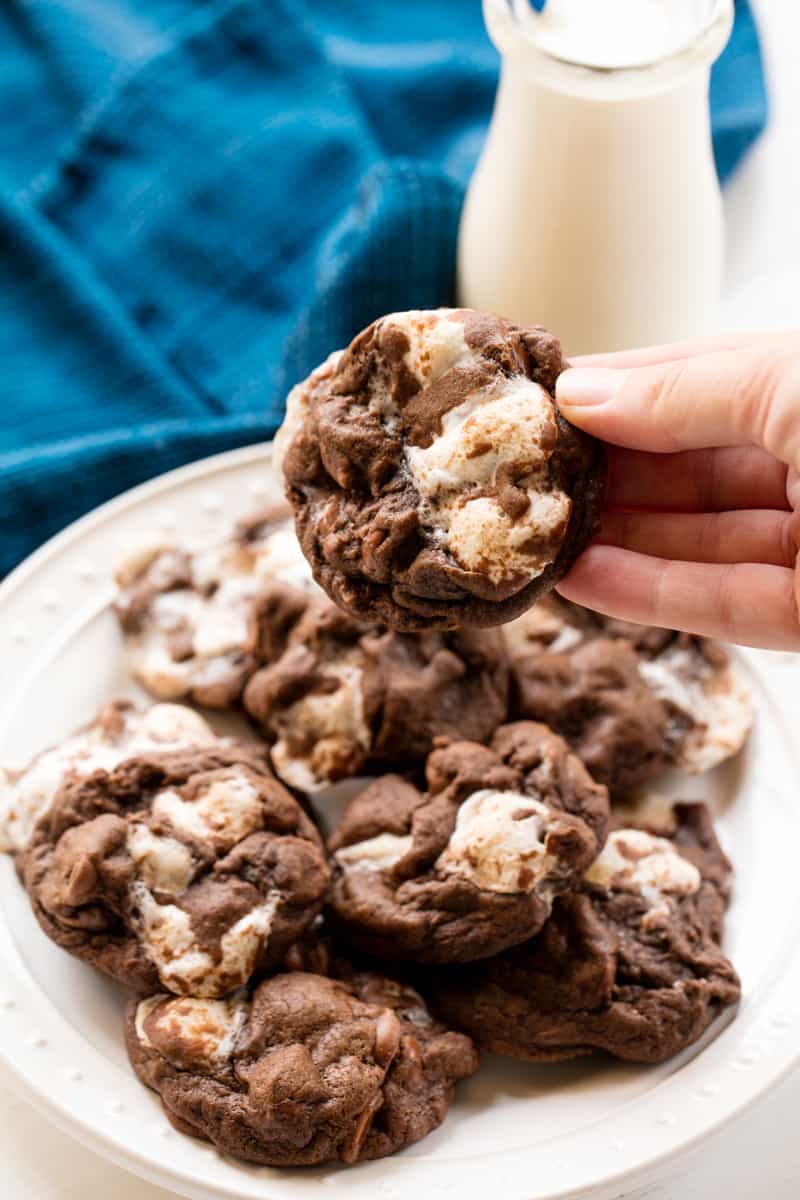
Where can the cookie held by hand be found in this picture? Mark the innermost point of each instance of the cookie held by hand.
(433, 480)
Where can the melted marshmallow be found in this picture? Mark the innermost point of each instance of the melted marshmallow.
(26, 793)
(509, 424)
(436, 342)
(715, 700)
(207, 1028)
(377, 853)
(163, 863)
(326, 721)
(635, 861)
(214, 612)
(221, 815)
(183, 967)
(499, 842)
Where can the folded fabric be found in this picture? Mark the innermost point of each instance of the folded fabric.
(199, 200)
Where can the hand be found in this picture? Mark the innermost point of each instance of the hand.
(701, 530)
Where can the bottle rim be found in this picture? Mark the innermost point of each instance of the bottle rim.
(513, 26)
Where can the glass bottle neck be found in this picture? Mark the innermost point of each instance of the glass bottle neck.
(610, 49)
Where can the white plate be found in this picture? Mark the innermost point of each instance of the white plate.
(519, 1132)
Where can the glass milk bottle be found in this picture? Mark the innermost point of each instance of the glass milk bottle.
(595, 208)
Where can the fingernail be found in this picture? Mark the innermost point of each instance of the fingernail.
(589, 385)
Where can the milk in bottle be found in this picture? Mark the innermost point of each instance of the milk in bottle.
(595, 208)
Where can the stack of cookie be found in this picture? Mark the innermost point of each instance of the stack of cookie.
(497, 881)
(174, 861)
(243, 625)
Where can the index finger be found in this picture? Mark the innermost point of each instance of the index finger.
(749, 396)
(645, 356)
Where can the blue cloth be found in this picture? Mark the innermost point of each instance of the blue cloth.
(200, 198)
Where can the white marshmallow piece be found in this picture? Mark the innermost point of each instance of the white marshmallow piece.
(510, 424)
(26, 793)
(208, 1028)
(324, 720)
(635, 861)
(499, 843)
(163, 863)
(214, 611)
(227, 811)
(183, 967)
(436, 342)
(714, 698)
(378, 853)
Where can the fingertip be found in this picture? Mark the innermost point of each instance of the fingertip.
(616, 405)
(586, 397)
(587, 572)
(589, 387)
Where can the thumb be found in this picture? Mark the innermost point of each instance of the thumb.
(748, 396)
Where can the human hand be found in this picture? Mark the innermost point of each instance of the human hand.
(701, 530)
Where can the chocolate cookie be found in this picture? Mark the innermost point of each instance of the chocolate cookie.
(433, 480)
(345, 697)
(119, 731)
(472, 866)
(199, 622)
(303, 1069)
(629, 963)
(556, 625)
(186, 872)
(630, 699)
(702, 692)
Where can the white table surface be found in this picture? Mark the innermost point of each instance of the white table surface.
(760, 1153)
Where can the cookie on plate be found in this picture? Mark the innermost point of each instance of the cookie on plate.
(705, 698)
(119, 730)
(555, 624)
(198, 623)
(629, 963)
(302, 1069)
(433, 480)
(185, 872)
(346, 698)
(471, 866)
(630, 699)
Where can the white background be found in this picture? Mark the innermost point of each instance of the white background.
(760, 1154)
